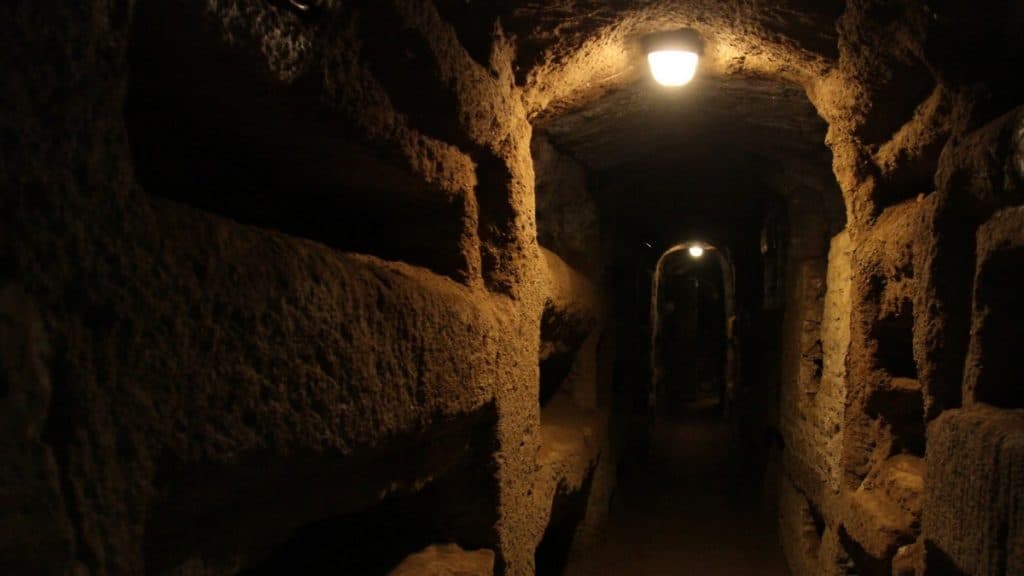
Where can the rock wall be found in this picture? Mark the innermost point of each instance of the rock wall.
(871, 484)
(567, 220)
(575, 372)
(924, 131)
(264, 258)
(924, 128)
(265, 265)
(972, 523)
(814, 395)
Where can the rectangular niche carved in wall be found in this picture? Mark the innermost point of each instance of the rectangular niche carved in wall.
(995, 367)
(894, 334)
(886, 416)
(209, 127)
(897, 399)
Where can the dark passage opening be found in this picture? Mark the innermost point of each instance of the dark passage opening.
(1001, 292)
(895, 336)
(692, 338)
(699, 463)
(553, 372)
(370, 542)
(212, 127)
(568, 508)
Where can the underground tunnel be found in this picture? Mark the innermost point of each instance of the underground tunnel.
(575, 287)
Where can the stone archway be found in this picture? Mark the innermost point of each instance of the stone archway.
(729, 310)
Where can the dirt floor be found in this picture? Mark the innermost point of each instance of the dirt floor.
(696, 507)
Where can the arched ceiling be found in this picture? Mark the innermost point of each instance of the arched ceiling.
(570, 51)
(704, 157)
(586, 85)
(743, 130)
(742, 121)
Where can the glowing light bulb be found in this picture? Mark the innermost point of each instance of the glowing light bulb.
(672, 67)
(696, 251)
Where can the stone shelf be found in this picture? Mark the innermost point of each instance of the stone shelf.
(571, 441)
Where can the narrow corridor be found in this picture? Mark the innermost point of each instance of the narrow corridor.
(391, 287)
(696, 508)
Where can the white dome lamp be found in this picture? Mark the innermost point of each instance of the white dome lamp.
(673, 56)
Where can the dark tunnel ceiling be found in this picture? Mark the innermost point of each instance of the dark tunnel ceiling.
(715, 123)
(739, 140)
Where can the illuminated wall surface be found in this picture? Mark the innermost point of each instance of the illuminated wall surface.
(326, 287)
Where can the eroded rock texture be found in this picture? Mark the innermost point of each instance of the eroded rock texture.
(923, 127)
(270, 275)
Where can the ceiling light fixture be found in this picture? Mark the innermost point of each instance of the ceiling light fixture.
(673, 56)
(695, 250)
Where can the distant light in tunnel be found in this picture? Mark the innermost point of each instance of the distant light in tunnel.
(672, 67)
(696, 251)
